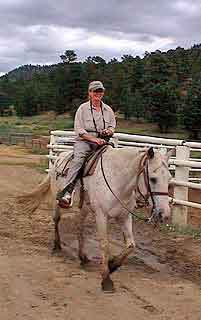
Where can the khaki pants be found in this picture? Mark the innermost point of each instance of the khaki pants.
(81, 150)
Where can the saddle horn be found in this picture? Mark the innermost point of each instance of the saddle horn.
(150, 153)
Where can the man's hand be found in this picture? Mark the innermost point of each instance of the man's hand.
(99, 141)
(107, 132)
(90, 138)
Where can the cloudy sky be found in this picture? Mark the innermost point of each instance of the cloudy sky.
(39, 31)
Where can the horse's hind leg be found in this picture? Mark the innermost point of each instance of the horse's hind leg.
(82, 255)
(56, 218)
(127, 228)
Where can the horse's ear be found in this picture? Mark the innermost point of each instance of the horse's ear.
(150, 153)
(170, 153)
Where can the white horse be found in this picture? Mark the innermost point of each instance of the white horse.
(123, 178)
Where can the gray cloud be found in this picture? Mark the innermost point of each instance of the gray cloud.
(39, 31)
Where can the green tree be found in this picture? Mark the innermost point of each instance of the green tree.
(126, 102)
(69, 56)
(5, 102)
(192, 110)
(161, 106)
(138, 109)
(26, 102)
(158, 68)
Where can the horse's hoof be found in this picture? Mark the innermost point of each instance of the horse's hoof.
(84, 260)
(107, 285)
(113, 266)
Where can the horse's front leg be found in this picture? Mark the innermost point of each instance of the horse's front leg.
(101, 221)
(127, 228)
(82, 255)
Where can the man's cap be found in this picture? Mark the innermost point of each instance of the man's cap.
(94, 85)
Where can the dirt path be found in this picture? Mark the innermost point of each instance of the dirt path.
(162, 281)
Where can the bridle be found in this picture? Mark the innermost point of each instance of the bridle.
(143, 199)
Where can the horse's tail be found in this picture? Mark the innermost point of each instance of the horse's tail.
(29, 202)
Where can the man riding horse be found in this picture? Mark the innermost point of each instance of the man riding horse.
(124, 178)
(94, 125)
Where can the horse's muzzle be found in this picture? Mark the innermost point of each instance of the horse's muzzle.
(161, 216)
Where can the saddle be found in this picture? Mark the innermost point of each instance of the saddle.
(92, 161)
(88, 168)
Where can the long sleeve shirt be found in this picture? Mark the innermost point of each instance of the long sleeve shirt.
(84, 123)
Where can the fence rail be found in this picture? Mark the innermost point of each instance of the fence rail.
(26, 139)
(182, 165)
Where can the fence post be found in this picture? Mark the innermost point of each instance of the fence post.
(180, 213)
(51, 152)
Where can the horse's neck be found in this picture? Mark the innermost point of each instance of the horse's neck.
(133, 169)
(126, 168)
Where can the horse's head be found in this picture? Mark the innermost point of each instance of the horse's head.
(153, 183)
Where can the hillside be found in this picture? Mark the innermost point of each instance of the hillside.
(26, 72)
(163, 88)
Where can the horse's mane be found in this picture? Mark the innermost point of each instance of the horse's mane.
(130, 152)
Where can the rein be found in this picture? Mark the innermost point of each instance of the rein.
(144, 169)
(119, 200)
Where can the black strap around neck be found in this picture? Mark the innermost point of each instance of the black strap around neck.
(93, 116)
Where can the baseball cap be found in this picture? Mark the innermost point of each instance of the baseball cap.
(94, 85)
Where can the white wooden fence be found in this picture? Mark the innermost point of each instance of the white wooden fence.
(182, 166)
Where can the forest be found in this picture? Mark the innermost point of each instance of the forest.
(160, 87)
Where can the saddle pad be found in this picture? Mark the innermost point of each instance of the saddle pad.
(62, 163)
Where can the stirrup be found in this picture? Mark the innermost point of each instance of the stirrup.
(66, 203)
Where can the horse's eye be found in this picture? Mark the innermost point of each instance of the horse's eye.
(153, 180)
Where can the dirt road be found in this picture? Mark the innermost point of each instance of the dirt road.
(161, 281)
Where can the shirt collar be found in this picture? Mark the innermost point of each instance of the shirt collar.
(103, 105)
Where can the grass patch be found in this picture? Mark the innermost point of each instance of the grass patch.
(37, 125)
(146, 130)
(195, 233)
(38, 151)
(13, 163)
(44, 123)
(196, 154)
(40, 166)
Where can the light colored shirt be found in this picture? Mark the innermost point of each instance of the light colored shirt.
(84, 123)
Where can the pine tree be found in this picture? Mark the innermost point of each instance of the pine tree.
(192, 110)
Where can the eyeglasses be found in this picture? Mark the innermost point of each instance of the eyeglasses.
(98, 90)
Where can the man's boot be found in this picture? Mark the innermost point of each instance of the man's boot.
(65, 201)
(64, 197)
